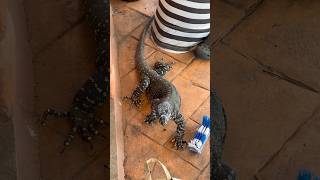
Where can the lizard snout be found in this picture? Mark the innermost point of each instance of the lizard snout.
(163, 120)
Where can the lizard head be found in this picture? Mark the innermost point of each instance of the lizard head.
(164, 110)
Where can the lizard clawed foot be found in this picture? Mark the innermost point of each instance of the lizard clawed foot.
(137, 103)
(162, 67)
(150, 119)
(178, 142)
(134, 101)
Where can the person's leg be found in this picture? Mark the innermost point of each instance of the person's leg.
(218, 169)
(203, 49)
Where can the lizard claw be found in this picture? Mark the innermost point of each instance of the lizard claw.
(134, 101)
(137, 102)
(125, 98)
(149, 120)
(178, 142)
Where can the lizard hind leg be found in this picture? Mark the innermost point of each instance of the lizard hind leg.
(162, 67)
(85, 134)
(53, 112)
(93, 129)
(69, 139)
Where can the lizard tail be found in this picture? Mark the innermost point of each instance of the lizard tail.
(141, 65)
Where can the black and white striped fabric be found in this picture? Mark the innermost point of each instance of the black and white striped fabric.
(179, 25)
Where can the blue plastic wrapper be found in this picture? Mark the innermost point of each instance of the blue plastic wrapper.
(307, 175)
(201, 136)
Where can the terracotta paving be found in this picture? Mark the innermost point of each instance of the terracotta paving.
(191, 78)
(63, 58)
(265, 68)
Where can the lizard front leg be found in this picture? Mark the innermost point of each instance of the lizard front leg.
(53, 112)
(179, 120)
(152, 117)
(137, 93)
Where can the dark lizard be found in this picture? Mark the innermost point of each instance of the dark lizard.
(163, 95)
(93, 93)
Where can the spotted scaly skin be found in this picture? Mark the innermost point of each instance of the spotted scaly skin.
(164, 97)
(93, 93)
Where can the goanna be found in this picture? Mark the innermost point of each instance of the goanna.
(163, 95)
(93, 93)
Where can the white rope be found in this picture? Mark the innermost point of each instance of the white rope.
(148, 171)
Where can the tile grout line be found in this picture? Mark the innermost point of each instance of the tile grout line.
(248, 12)
(142, 133)
(85, 166)
(168, 141)
(194, 84)
(291, 137)
(135, 67)
(271, 71)
(233, 4)
(203, 103)
(58, 37)
(194, 120)
(130, 33)
(199, 85)
(201, 171)
(141, 13)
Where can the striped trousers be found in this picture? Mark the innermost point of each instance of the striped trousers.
(179, 25)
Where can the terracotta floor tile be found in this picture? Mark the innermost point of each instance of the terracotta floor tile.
(155, 131)
(127, 51)
(276, 40)
(191, 96)
(176, 68)
(263, 112)
(60, 71)
(198, 160)
(137, 33)
(96, 170)
(226, 16)
(204, 109)
(63, 166)
(243, 4)
(147, 7)
(199, 73)
(185, 58)
(116, 4)
(47, 20)
(205, 175)
(126, 20)
(140, 148)
(302, 151)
